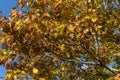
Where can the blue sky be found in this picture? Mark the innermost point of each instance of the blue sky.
(6, 6)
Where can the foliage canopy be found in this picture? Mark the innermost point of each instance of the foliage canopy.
(61, 39)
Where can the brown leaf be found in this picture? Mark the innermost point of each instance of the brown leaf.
(1, 18)
(45, 14)
(20, 4)
(117, 77)
(6, 61)
(57, 3)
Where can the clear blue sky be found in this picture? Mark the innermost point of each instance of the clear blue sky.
(6, 6)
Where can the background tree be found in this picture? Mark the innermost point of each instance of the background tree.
(61, 39)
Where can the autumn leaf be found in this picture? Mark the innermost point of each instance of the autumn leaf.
(45, 14)
(87, 17)
(93, 19)
(1, 18)
(57, 3)
(99, 26)
(35, 70)
(41, 78)
(20, 4)
(71, 28)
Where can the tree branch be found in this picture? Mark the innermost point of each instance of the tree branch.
(113, 70)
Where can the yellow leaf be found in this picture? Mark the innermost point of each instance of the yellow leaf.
(62, 68)
(94, 19)
(58, 3)
(36, 26)
(41, 78)
(93, 10)
(86, 30)
(15, 77)
(23, 72)
(89, 10)
(89, 1)
(108, 21)
(99, 26)
(87, 17)
(63, 47)
(5, 53)
(8, 75)
(62, 29)
(71, 28)
(35, 70)
(55, 72)
(37, 1)
(18, 70)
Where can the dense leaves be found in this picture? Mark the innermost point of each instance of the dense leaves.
(61, 39)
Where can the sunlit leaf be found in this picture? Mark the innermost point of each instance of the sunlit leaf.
(35, 70)
(41, 78)
(93, 19)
